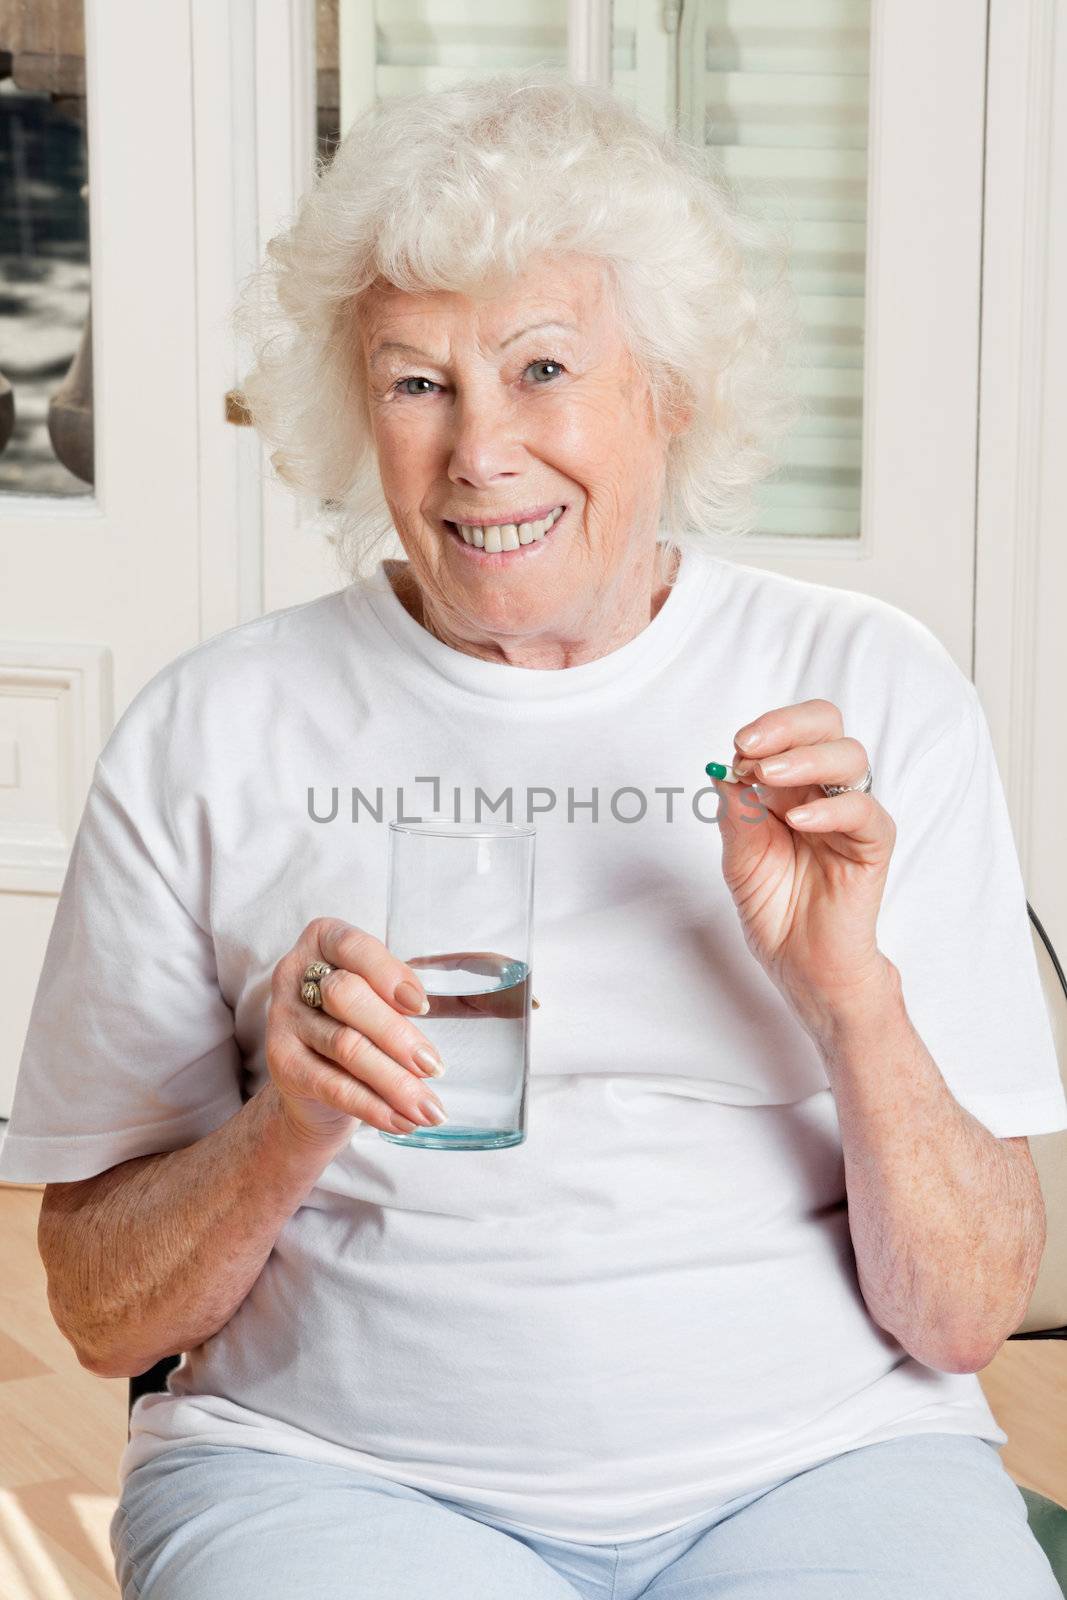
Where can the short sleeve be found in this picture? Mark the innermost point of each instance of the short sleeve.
(130, 1048)
(954, 921)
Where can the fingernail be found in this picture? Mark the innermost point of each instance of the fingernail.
(430, 1063)
(433, 1111)
(747, 741)
(409, 997)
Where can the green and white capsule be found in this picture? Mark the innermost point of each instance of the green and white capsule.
(715, 769)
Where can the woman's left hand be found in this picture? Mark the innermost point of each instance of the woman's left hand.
(807, 888)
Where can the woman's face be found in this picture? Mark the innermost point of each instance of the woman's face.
(500, 411)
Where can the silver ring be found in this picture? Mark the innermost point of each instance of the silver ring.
(310, 992)
(863, 787)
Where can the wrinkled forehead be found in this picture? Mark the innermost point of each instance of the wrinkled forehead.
(568, 290)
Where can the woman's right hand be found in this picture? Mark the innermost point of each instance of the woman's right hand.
(355, 1059)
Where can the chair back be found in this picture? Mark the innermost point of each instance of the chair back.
(154, 1381)
(1047, 1314)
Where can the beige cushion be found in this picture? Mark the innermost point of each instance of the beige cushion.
(1048, 1307)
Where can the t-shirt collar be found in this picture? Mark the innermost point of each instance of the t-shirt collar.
(630, 664)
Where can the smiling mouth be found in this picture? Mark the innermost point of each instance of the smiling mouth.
(508, 539)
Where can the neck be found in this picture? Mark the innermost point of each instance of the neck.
(540, 654)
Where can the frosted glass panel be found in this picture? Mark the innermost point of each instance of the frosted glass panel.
(780, 92)
(46, 388)
(387, 47)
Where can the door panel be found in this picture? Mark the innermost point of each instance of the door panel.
(101, 587)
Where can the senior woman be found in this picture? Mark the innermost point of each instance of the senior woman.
(713, 1327)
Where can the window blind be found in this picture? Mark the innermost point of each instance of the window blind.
(779, 92)
(428, 44)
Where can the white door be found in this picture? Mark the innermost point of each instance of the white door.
(99, 574)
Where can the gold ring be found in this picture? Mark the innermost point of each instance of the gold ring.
(310, 992)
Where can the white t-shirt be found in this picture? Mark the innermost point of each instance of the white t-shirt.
(651, 1305)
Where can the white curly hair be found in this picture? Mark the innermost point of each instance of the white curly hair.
(457, 189)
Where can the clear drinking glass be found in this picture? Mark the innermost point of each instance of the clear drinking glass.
(460, 913)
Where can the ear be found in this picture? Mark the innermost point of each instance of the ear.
(677, 409)
(676, 416)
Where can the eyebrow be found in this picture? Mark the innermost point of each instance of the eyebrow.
(421, 355)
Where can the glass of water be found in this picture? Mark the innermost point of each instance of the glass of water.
(460, 914)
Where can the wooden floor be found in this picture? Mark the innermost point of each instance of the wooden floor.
(61, 1434)
(62, 1430)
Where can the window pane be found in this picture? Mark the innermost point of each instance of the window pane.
(779, 91)
(379, 48)
(46, 413)
(781, 94)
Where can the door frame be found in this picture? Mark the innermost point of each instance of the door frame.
(262, 547)
(1020, 639)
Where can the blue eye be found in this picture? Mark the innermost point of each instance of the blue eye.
(399, 385)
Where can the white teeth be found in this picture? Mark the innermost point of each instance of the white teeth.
(508, 535)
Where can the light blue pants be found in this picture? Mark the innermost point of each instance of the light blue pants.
(932, 1515)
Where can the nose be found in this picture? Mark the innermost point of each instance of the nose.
(484, 448)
